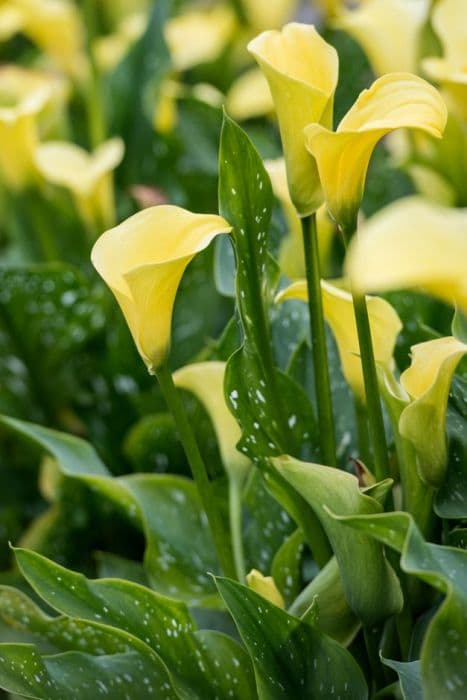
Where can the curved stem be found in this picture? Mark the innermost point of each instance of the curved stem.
(318, 341)
(235, 515)
(198, 469)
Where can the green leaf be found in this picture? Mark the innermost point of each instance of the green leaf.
(409, 678)
(290, 657)
(47, 313)
(197, 662)
(328, 489)
(443, 668)
(459, 326)
(286, 566)
(179, 550)
(80, 676)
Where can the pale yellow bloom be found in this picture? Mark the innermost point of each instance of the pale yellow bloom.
(206, 381)
(25, 97)
(265, 587)
(11, 20)
(301, 69)
(263, 14)
(396, 100)
(339, 313)
(88, 176)
(449, 20)
(388, 31)
(199, 36)
(249, 96)
(143, 260)
(291, 259)
(110, 49)
(427, 381)
(55, 26)
(412, 243)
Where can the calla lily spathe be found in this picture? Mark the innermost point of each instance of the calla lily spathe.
(263, 14)
(449, 20)
(25, 96)
(206, 381)
(291, 257)
(266, 587)
(199, 35)
(339, 313)
(249, 96)
(301, 69)
(396, 100)
(410, 244)
(388, 31)
(427, 382)
(88, 176)
(143, 259)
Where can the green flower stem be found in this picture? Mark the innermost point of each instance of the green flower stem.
(363, 436)
(318, 341)
(235, 514)
(92, 89)
(198, 469)
(370, 377)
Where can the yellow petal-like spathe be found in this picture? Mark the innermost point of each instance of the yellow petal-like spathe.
(265, 586)
(449, 20)
(412, 243)
(427, 381)
(143, 259)
(55, 26)
(206, 381)
(301, 69)
(263, 14)
(396, 100)
(339, 313)
(111, 48)
(388, 32)
(88, 176)
(249, 96)
(24, 98)
(199, 36)
(291, 258)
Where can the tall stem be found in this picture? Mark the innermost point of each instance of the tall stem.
(92, 89)
(235, 513)
(370, 378)
(198, 469)
(318, 341)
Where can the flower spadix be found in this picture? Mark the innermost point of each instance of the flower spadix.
(301, 69)
(206, 381)
(449, 20)
(396, 100)
(412, 243)
(25, 96)
(143, 259)
(427, 382)
(88, 176)
(338, 310)
(388, 31)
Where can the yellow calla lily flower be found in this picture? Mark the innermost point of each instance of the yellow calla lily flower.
(110, 49)
(266, 587)
(396, 100)
(11, 21)
(249, 96)
(301, 69)
(338, 310)
(427, 381)
(55, 26)
(24, 97)
(262, 14)
(291, 258)
(388, 32)
(206, 381)
(449, 20)
(143, 259)
(412, 243)
(88, 176)
(199, 36)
